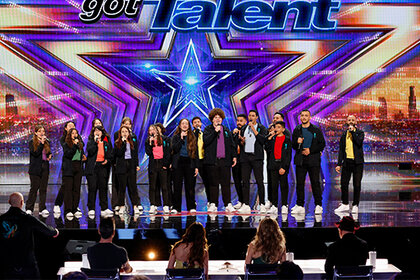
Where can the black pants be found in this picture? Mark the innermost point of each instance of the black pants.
(314, 177)
(219, 174)
(350, 167)
(128, 180)
(237, 179)
(38, 183)
(276, 178)
(97, 182)
(114, 188)
(269, 186)
(249, 165)
(28, 272)
(60, 196)
(156, 172)
(71, 186)
(184, 173)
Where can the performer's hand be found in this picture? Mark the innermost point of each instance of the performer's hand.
(338, 169)
(138, 168)
(282, 171)
(49, 157)
(84, 158)
(254, 130)
(306, 151)
(196, 172)
(105, 162)
(55, 236)
(217, 128)
(300, 140)
(76, 141)
(183, 134)
(164, 167)
(124, 139)
(234, 162)
(235, 131)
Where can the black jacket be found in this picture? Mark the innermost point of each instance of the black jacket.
(17, 241)
(135, 142)
(358, 137)
(35, 159)
(177, 143)
(68, 153)
(348, 251)
(286, 154)
(259, 143)
(166, 153)
(210, 137)
(118, 155)
(317, 146)
(92, 153)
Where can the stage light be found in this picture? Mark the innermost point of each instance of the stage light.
(191, 80)
(148, 65)
(151, 255)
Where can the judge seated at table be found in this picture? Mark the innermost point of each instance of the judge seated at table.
(105, 254)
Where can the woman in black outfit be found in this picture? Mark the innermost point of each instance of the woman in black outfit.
(185, 165)
(126, 165)
(72, 172)
(99, 153)
(39, 170)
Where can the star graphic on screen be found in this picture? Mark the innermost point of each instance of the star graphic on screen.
(190, 85)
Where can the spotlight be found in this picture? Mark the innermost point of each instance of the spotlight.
(148, 65)
(151, 255)
(191, 80)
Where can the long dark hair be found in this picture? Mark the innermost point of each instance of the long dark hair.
(159, 136)
(191, 139)
(69, 140)
(102, 129)
(63, 137)
(36, 143)
(196, 235)
(119, 141)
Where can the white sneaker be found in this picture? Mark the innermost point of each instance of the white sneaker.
(298, 209)
(263, 209)
(318, 210)
(300, 217)
(318, 218)
(284, 209)
(57, 209)
(57, 215)
(342, 208)
(273, 210)
(45, 212)
(153, 209)
(108, 212)
(141, 208)
(174, 211)
(122, 210)
(238, 205)
(212, 208)
(69, 215)
(29, 212)
(91, 213)
(166, 209)
(268, 205)
(355, 209)
(78, 213)
(136, 210)
(229, 208)
(283, 217)
(245, 209)
(193, 211)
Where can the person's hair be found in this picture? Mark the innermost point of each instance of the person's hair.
(69, 140)
(139, 277)
(107, 227)
(242, 116)
(119, 141)
(191, 139)
(270, 126)
(97, 119)
(75, 275)
(283, 124)
(162, 128)
(159, 136)
(216, 111)
(195, 234)
(289, 270)
(281, 114)
(270, 240)
(125, 119)
(64, 129)
(305, 110)
(35, 141)
(102, 129)
(196, 118)
(255, 111)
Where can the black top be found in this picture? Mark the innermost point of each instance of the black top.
(16, 238)
(358, 137)
(166, 142)
(317, 146)
(135, 142)
(348, 251)
(286, 154)
(259, 143)
(177, 143)
(119, 156)
(210, 137)
(68, 153)
(35, 159)
(106, 256)
(92, 153)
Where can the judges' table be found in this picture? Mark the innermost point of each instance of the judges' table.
(312, 269)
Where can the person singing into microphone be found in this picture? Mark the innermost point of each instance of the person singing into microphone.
(99, 154)
(39, 170)
(219, 156)
(350, 161)
(72, 173)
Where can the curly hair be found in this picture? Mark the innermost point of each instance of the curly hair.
(191, 139)
(270, 240)
(216, 111)
(196, 235)
(69, 140)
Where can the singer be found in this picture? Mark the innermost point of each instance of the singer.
(350, 160)
(39, 170)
